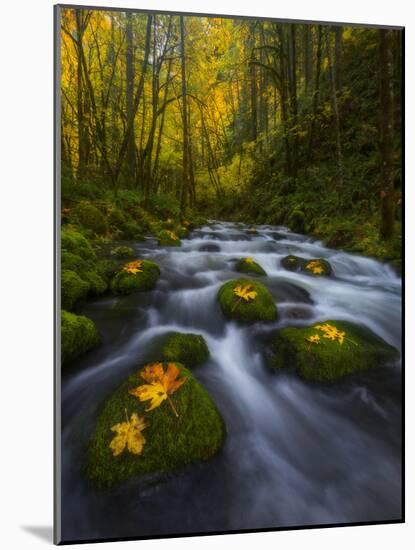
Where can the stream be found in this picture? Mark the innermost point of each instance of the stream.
(296, 453)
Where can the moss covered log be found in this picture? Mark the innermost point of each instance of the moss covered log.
(329, 350)
(171, 442)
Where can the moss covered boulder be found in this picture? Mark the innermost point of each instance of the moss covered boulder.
(247, 301)
(189, 349)
(90, 217)
(136, 276)
(316, 267)
(78, 335)
(329, 350)
(123, 252)
(171, 441)
(168, 238)
(248, 265)
(73, 289)
(87, 270)
(74, 242)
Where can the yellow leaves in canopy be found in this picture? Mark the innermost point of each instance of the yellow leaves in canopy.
(133, 267)
(245, 292)
(161, 385)
(331, 332)
(128, 436)
(315, 267)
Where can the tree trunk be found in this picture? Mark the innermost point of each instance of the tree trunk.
(293, 97)
(338, 57)
(316, 94)
(129, 90)
(81, 122)
(386, 134)
(185, 182)
(339, 152)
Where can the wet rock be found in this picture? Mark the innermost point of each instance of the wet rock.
(329, 350)
(78, 335)
(127, 282)
(316, 267)
(261, 308)
(248, 265)
(209, 247)
(189, 349)
(171, 441)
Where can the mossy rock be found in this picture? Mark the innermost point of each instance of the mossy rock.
(189, 349)
(131, 230)
(316, 267)
(252, 231)
(172, 442)
(87, 270)
(123, 252)
(73, 289)
(90, 217)
(78, 335)
(117, 218)
(108, 268)
(247, 265)
(75, 242)
(262, 308)
(97, 284)
(297, 221)
(292, 263)
(126, 283)
(329, 359)
(168, 238)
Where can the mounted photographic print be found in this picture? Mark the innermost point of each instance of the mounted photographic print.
(228, 274)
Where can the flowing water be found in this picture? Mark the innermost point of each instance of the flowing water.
(296, 453)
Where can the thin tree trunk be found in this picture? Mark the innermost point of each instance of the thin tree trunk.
(387, 223)
(129, 91)
(339, 152)
(316, 94)
(185, 182)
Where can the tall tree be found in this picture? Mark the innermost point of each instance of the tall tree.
(129, 91)
(185, 182)
(386, 134)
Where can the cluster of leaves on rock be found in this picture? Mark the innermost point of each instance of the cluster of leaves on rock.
(161, 384)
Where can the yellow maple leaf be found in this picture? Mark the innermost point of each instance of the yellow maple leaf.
(315, 267)
(128, 436)
(314, 339)
(246, 292)
(331, 332)
(133, 267)
(161, 385)
(249, 260)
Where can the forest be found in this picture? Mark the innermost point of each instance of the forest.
(230, 286)
(235, 119)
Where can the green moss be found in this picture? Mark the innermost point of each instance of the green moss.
(247, 265)
(75, 242)
(131, 230)
(108, 268)
(168, 238)
(329, 359)
(97, 284)
(78, 335)
(171, 442)
(117, 218)
(126, 283)
(316, 267)
(189, 349)
(73, 289)
(296, 221)
(90, 217)
(123, 252)
(262, 308)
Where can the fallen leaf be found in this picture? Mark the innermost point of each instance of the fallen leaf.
(161, 385)
(331, 332)
(249, 260)
(128, 436)
(314, 339)
(246, 292)
(133, 267)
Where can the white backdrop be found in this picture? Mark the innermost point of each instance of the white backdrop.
(26, 284)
